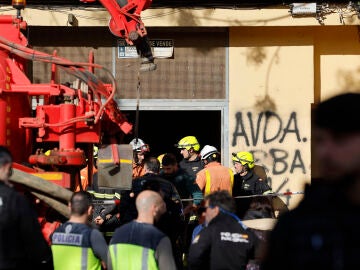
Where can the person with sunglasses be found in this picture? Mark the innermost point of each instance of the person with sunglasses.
(224, 243)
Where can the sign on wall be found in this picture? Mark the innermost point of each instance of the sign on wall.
(162, 48)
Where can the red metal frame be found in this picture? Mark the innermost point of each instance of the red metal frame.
(125, 19)
(69, 116)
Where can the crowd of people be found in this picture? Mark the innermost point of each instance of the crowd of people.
(183, 215)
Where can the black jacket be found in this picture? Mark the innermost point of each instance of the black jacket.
(250, 184)
(192, 167)
(223, 244)
(321, 233)
(22, 245)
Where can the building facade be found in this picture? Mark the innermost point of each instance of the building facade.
(239, 79)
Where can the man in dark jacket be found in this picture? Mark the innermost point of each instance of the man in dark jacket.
(322, 232)
(189, 149)
(187, 188)
(225, 243)
(184, 182)
(172, 221)
(22, 246)
(246, 181)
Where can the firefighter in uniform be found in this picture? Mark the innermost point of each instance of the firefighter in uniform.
(246, 182)
(141, 150)
(189, 149)
(214, 176)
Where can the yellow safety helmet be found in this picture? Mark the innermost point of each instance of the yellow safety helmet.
(188, 142)
(244, 158)
(160, 158)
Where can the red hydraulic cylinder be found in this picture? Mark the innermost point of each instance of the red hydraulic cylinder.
(67, 133)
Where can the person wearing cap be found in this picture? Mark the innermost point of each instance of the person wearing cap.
(189, 149)
(214, 176)
(141, 150)
(322, 232)
(246, 182)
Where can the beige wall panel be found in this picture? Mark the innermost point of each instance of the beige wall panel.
(271, 91)
(339, 56)
(339, 73)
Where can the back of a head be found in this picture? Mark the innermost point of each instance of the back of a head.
(339, 113)
(152, 164)
(169, 159)
(80, 202)
(222, 199)
(210, 153)
(146, 199)
(5, 156)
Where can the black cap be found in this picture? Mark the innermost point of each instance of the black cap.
(339, 114)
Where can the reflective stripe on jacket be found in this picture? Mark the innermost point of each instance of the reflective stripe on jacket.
(71, 247)
(132, 257)
(215, 177)
(133, 247)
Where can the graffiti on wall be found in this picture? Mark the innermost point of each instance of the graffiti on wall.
(273, 133)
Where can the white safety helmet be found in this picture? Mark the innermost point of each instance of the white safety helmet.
(207, 151)
(138, 145)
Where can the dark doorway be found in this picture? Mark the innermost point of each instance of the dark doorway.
(162, 129)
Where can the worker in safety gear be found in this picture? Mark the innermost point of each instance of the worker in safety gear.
(75, 244)
(106, 215)
(225, 243)
(84, 173)
(22, 245)
(141, 150)
(214, 176)
(139, 244)
(189, 149)
(246, 182)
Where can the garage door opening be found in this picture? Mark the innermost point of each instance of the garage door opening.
(162, 129)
